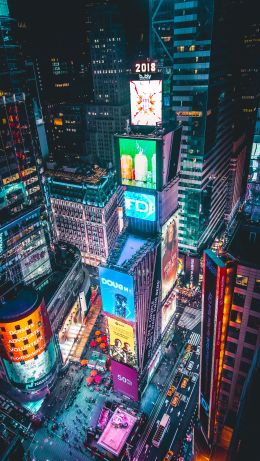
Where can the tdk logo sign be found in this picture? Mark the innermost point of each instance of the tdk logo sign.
(141, 206)
(116, 285)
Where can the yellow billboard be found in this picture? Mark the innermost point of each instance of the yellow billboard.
(121, 339)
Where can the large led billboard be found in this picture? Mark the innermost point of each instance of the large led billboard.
(168, 309)
(117, 431)
(146, 102)
(169, 254)
(138, 162)
(117, 292)
(121, 342)
(141, 206)
(125, 379)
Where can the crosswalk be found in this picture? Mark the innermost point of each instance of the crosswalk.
(194, 339)
(190, 318)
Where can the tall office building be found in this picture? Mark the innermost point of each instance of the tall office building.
(138, 281)
(252, 206)
(23, 250)
(193, 39)
(109, 111)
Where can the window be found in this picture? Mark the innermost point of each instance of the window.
(30, 322)
(17, 327)
(231, 347)
(257, 286)
(253, 322)
(247, 353)
(28, 331)
(39, 324)
(241, 379)
(239, 299)
(241, 281)
(14, 336)
(26, 341)
(225, 386)
(236, 316)
(2, 328)
(230, 361)
(227, 374)
(250, 338)
(38, 334)
(36, 347)
(25, 352)
(36, 357)
(233, 332)
(244, 367)
(22, 362)
(255, 304)
(11, 344)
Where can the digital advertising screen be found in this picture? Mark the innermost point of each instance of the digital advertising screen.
(138, 162)
(117, 292)
(146, 102)
(121, 341)
(125, 379)
(168, 309)
(32, 373)
(141, 206)
(169, 254)
(23, 339)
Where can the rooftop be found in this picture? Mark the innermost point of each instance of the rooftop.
(94, 175)
(245, 244)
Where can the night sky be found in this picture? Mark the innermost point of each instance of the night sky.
(56, 26)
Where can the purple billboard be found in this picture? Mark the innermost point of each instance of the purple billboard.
(125, 380)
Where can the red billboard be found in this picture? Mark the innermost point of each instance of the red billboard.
(125, 380)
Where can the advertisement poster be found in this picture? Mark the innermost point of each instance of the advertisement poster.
(141, 206)
(125, 380)
(208, 325)
(138, 162)
(117, 292)
(168, 309)
(121, 340)
(30, 374)
(169, 254)
(23, 339)
(146, 102)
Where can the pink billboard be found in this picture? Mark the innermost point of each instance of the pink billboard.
(125, 380)
(117, 431)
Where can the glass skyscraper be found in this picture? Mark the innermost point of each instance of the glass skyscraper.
(192, 39)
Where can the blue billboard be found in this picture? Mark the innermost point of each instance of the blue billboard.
(141, 206)
(117, 291)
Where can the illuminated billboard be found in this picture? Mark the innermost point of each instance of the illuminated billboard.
(169, 254)
(117, 292)
(125, 380)
(146, 102)
(141, 206)
(121, 342)
(117, 431)
(168, 309)
(138, 162)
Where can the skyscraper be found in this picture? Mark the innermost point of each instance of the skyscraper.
(107, 47)
(193, 39)
(23, 250)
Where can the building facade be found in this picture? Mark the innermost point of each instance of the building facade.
(84, 211)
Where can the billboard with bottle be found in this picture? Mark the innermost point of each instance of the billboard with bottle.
(121, 340)
(138, 162)
(146, 102)
(117, 292)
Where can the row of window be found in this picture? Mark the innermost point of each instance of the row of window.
(17, 328)
(242, 282)
(239, 300)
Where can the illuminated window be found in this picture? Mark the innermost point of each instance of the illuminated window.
(192, 48)
(241, 281)
(257, 286)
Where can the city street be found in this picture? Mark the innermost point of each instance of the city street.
(180, 416)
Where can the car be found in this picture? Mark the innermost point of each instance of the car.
(171, 391)
(198, 350)
(176, 400)
(190, 365)
(194, 378)
(188, 347)
(168, 456)
(184, 382)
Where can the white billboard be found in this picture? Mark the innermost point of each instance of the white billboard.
(146, 102)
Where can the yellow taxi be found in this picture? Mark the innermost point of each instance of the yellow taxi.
(184, 382)
(168, 456)
(176, 400)
(170, 391)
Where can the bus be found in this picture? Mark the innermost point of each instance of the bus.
(161, 430)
